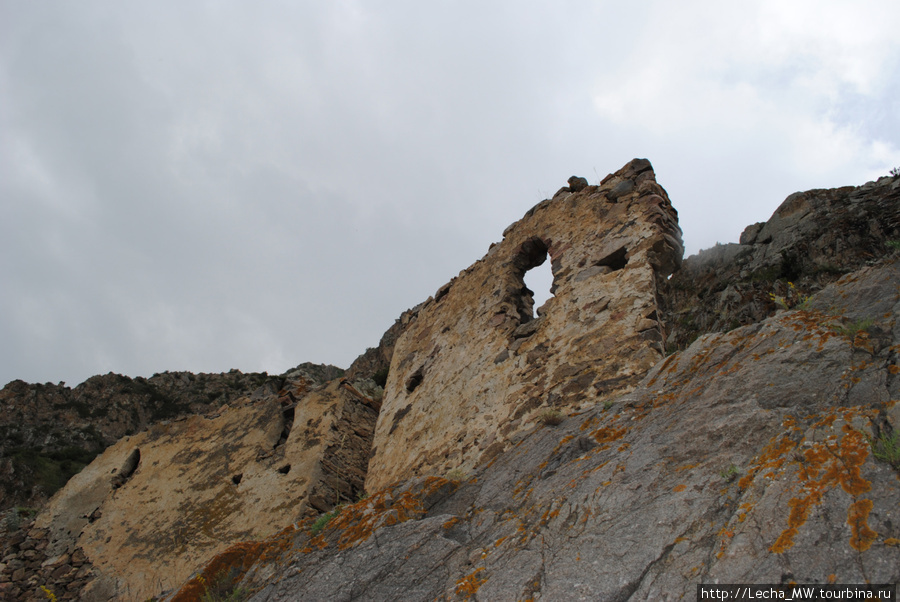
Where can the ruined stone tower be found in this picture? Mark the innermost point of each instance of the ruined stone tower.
(475, 366)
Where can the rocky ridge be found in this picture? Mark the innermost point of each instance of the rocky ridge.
(48, 432)
(760, 454)
(811, 240)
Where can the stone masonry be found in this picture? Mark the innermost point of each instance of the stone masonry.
(476, 365)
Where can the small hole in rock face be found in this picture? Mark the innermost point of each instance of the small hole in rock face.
(236, 479)
(414, 381)
(616, 260)
(285, 469)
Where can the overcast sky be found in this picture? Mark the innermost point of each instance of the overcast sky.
(212, 185)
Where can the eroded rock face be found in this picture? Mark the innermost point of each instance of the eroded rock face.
(476, 366)
(48, 432)
(811, 240)
(155, 505)
(743, 459)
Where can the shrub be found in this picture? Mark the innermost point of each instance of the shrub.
(895, 172)
(551, 417)
(456, 475)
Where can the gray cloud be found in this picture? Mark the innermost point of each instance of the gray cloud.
(207, 186)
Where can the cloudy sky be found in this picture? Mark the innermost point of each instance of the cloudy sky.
(213, 185)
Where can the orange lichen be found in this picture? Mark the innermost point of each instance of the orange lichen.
(772, 457)
(824, 467)
(608, 434)
(230, 564)
(892, 541)
(857, 517)
(468, 585)
(679, 488)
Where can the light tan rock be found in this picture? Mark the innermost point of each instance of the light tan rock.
(474, 367)
(154, 506)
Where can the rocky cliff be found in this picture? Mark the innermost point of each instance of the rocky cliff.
(48, 432)
(637, 435)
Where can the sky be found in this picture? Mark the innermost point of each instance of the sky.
(214, 185)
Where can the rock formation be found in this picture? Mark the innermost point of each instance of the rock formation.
(151, 508)
(476, 366)
(811, 240)
(49, 432)
(738, 422)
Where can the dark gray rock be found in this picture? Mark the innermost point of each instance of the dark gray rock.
(577, 184)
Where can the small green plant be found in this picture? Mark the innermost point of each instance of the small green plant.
(853, 328)
(608, 404)
(893, 244)
(222, 588)
(886, 448)
(325, 519)
(456, 475)
(896, 172)
(551, 417)
(791, 300)
(730, 473)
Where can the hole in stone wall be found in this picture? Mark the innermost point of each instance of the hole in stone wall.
(414, 381)
(285, 469)
(616, 260)
(531, 254)
(539, 282)
(236, 479)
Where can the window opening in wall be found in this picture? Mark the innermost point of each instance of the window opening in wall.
(530, 256)
(539, 281)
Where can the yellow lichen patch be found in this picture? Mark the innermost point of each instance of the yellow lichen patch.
(468, 585)
(608, 434)
(687, 467)
(358, 523)
(857, 517)
(826, 466)
(773, 456)
(589, 423)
